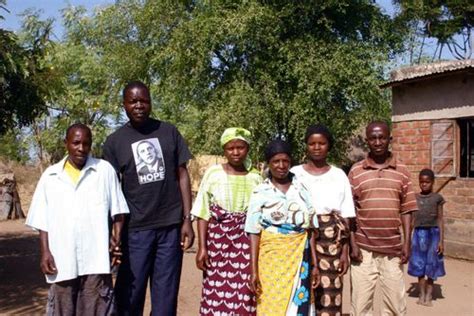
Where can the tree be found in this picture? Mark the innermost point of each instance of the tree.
(273, 67)
(13, 147)
(20, 96)
(78, 84)
(449, 22)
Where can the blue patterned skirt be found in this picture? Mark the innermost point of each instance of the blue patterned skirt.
(424, 259)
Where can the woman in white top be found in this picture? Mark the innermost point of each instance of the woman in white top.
(332, 199)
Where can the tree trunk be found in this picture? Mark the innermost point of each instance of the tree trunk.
(17, 211)
(6, 200)
(10, 204)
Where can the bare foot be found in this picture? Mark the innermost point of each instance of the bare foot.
(428, 301)
(421, 300)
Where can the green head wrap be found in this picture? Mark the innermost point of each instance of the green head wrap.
(232, 133)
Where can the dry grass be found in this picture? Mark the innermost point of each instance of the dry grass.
(26, 178)
(198, 166)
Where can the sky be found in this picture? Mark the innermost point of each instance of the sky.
(51, 9)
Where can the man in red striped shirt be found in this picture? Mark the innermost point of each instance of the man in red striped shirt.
(384, 199)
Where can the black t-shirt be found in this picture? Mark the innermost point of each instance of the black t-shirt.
(427, 214)
(147, 161)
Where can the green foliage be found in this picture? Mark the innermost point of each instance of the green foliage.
(450, 22)
(13, 147)
(274, 67)
(79, 88)
(20, 96)
(442, 18)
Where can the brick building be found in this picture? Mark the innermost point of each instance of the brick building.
(433, 126)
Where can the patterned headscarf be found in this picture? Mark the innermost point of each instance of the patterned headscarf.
(232, 133)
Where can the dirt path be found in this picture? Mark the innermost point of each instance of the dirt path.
(23, 289)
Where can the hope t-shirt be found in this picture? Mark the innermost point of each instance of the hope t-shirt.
(147, 160)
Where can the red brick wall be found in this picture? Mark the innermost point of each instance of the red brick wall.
(459, 196)
(459, 216)
(412, 145)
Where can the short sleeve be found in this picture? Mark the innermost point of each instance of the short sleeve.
(347, 203)
(201, 204)
(441, 200)
(183, 153)
(296, 170)
(310, 214)
(108, 154)
(408, 199)
(38, 213)
(117, 202)
(254, 213)
(353, 186)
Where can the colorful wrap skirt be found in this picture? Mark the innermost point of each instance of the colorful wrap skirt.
(285, 274)
(333, 233)
(424, 259)
(226, 288)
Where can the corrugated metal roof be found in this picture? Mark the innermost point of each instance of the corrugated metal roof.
(426, 70)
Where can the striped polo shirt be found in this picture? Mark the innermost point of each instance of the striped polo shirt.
(381, 194)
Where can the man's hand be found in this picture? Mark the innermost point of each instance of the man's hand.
(47, 263)
(254, 283)
(187, 234)
(356, 254)
(406, 225)
(315, 277)
(343, 265)
(202, 259)
(115, 251)
(405, 253)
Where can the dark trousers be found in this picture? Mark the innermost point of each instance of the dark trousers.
(150, 255)
(84, 295)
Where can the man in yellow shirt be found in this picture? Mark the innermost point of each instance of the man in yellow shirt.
(70, 208)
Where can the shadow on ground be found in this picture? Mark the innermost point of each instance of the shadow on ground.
(414, 292)
(23, 289)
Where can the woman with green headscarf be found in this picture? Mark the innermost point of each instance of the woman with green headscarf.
(224, 248)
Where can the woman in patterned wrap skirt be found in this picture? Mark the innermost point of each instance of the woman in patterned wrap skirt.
(224, 248)
(332, 200)
(280, 221)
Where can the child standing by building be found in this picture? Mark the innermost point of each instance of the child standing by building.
(427, 242)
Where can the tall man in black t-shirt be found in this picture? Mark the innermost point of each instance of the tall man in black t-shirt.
(159, 199)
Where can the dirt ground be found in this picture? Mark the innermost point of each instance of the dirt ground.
(23, 289)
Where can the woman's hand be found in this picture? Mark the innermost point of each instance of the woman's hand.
(254, 283)
(440, 248)
(202, 259)
(315, 277)
(343, 265)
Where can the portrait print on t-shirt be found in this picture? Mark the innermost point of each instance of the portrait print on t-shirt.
(149, 160)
